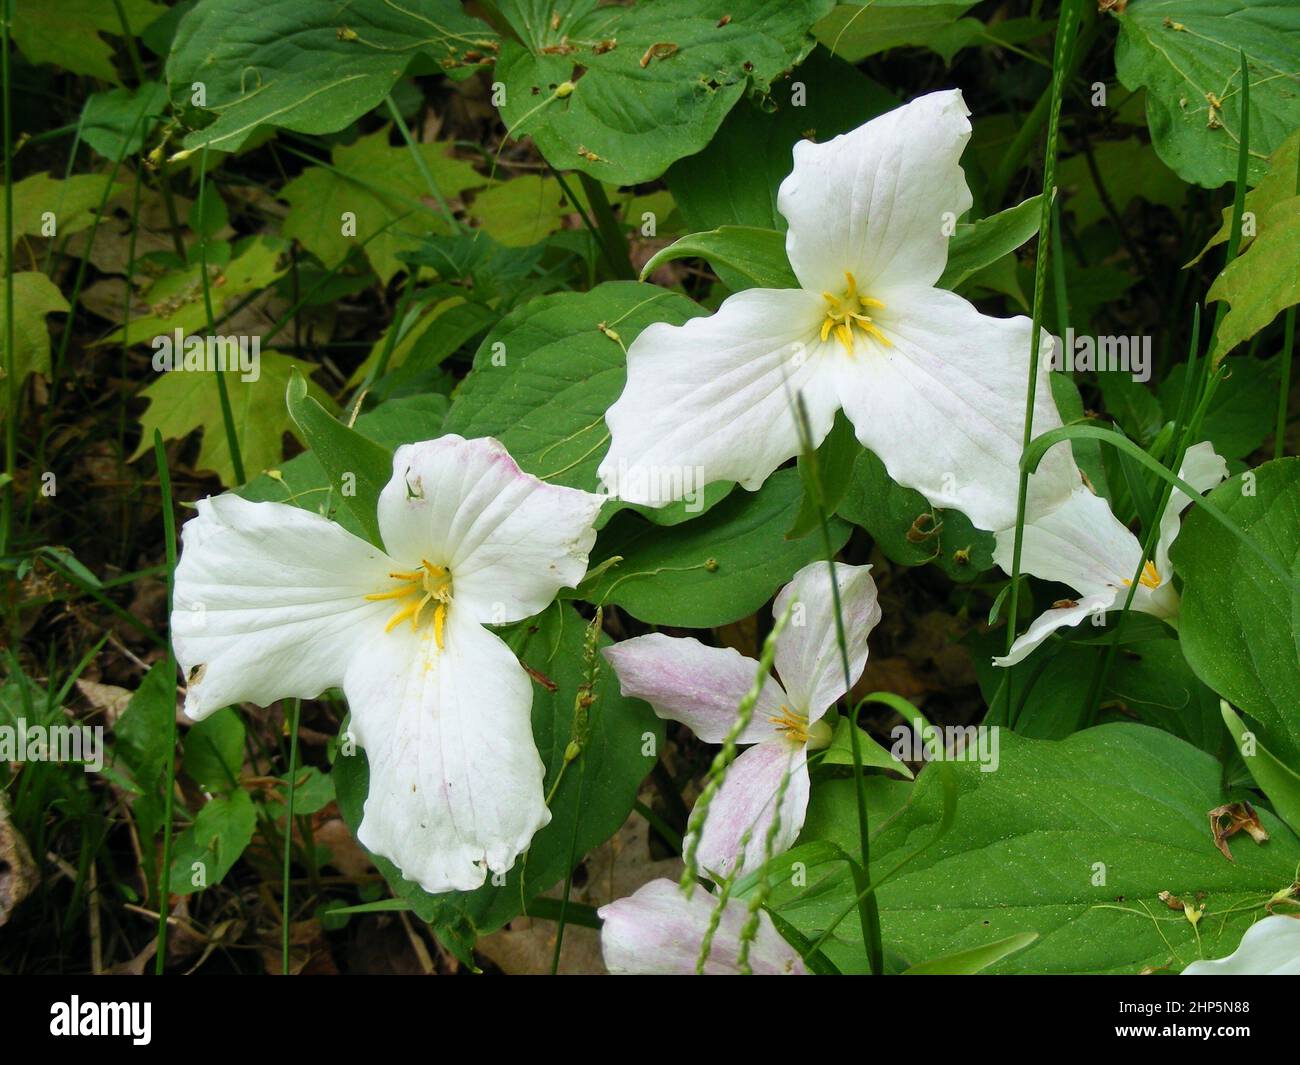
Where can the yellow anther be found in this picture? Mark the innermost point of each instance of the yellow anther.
(432, 584)
(439, 620)
(843, 312)
(792, 723)
(1150, 576)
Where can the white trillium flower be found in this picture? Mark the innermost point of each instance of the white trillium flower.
(275, 602)
(933, 387)
(1082, 544)
(684, 680)
(1270, 947)
(658, 931)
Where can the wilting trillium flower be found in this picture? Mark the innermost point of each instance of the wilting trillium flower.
(933, 387)
(1082, 544)
(275, 602)
(1270, 947)
(683, 680)
(658, 931)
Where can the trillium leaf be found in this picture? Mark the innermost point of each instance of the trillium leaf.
(1072, 839)
(973, 960)
(713, 570)
(973, 247)
(754, 257)
(648, 83)
(1280, 783)
(1186, 54)
(304, 65)
(1239, 623)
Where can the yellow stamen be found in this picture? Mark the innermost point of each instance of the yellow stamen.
(792, 723)
(439, 620)
(1150, 576)
(432, 584)
(843, 312)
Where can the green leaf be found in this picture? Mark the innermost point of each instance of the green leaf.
(755, 256)
(1186, 54)
(840, 751)
(647, 84)
(858, 30)
(67, 34)
(1263, 281)
(141, 733)
(1277, 185)
(116, 123)
(834, 462)
(1232, 422)
(521, 211)
(181, 401)
(204, 853)
(973, 247)
(713, 570)
(733, 181)
(608, 773)
(1072, 839)
(304, 65)
(974, 960)
(1133, 406)
(214, 752)
(358, 466)
(1130, 170)
(910, 531)
(1240, 622)
(35, 296)
(70, 204)
(1280, 783)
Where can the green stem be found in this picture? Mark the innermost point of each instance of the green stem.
(612, 239)
(422, 165)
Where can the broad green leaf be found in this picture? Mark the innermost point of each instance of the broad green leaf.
(67, 34)
(204, 853)
(858, 30)
(733, 182)
(1280, 783)
(358, 466)
(521, 211)
(181, 401)
(910, 531)
(1132, 405)
(375, 197)
(141, 733)
(973, 247)
(53, 208)
(214, 752)
(718, 568)
(1239, 623)
(840, 751)
(1264, 280)
(1187, 55)
(620, 749)
(1232, 421)
(648, 83)
(1073, 839)
(116, 123)
(35, 296)
(834, 461)
(973, 960)
(1277, 185)
(308, 66)
(756, 256)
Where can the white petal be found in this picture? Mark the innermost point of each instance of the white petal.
(659, 932)
(455, 778)
(711, 400)
(270, 603)
(943, 407)
(1270, 947)
(807, 651)
(873, 201)
(1203, 468)
(1050, 620)
(746, 803)
(1080, 543)
(683, 680)
(510, 540)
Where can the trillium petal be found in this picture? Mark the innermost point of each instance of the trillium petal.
(1079, 543)
(1203, 468)
(659, 932)
(1270, 947)
(746, 803)
(1050, 620)
(872, 201)
(511, 541)
(712, 400)
(807, 651)
(684, 680)
(270, 603)
(943, 406)
(455, 778)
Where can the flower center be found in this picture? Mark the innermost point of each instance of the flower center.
(1150, 576)
(847, 310)
(419, 588)
(795, 727)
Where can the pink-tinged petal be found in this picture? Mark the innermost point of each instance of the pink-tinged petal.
(1270, 947)
(455, 778)
(807, 651)
(713, 399)
(746, 804)
(510, 540)
(943, 405)
(873, 201)
(702, 687)
(660, 932)
(270, 603)
(1050, 620)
